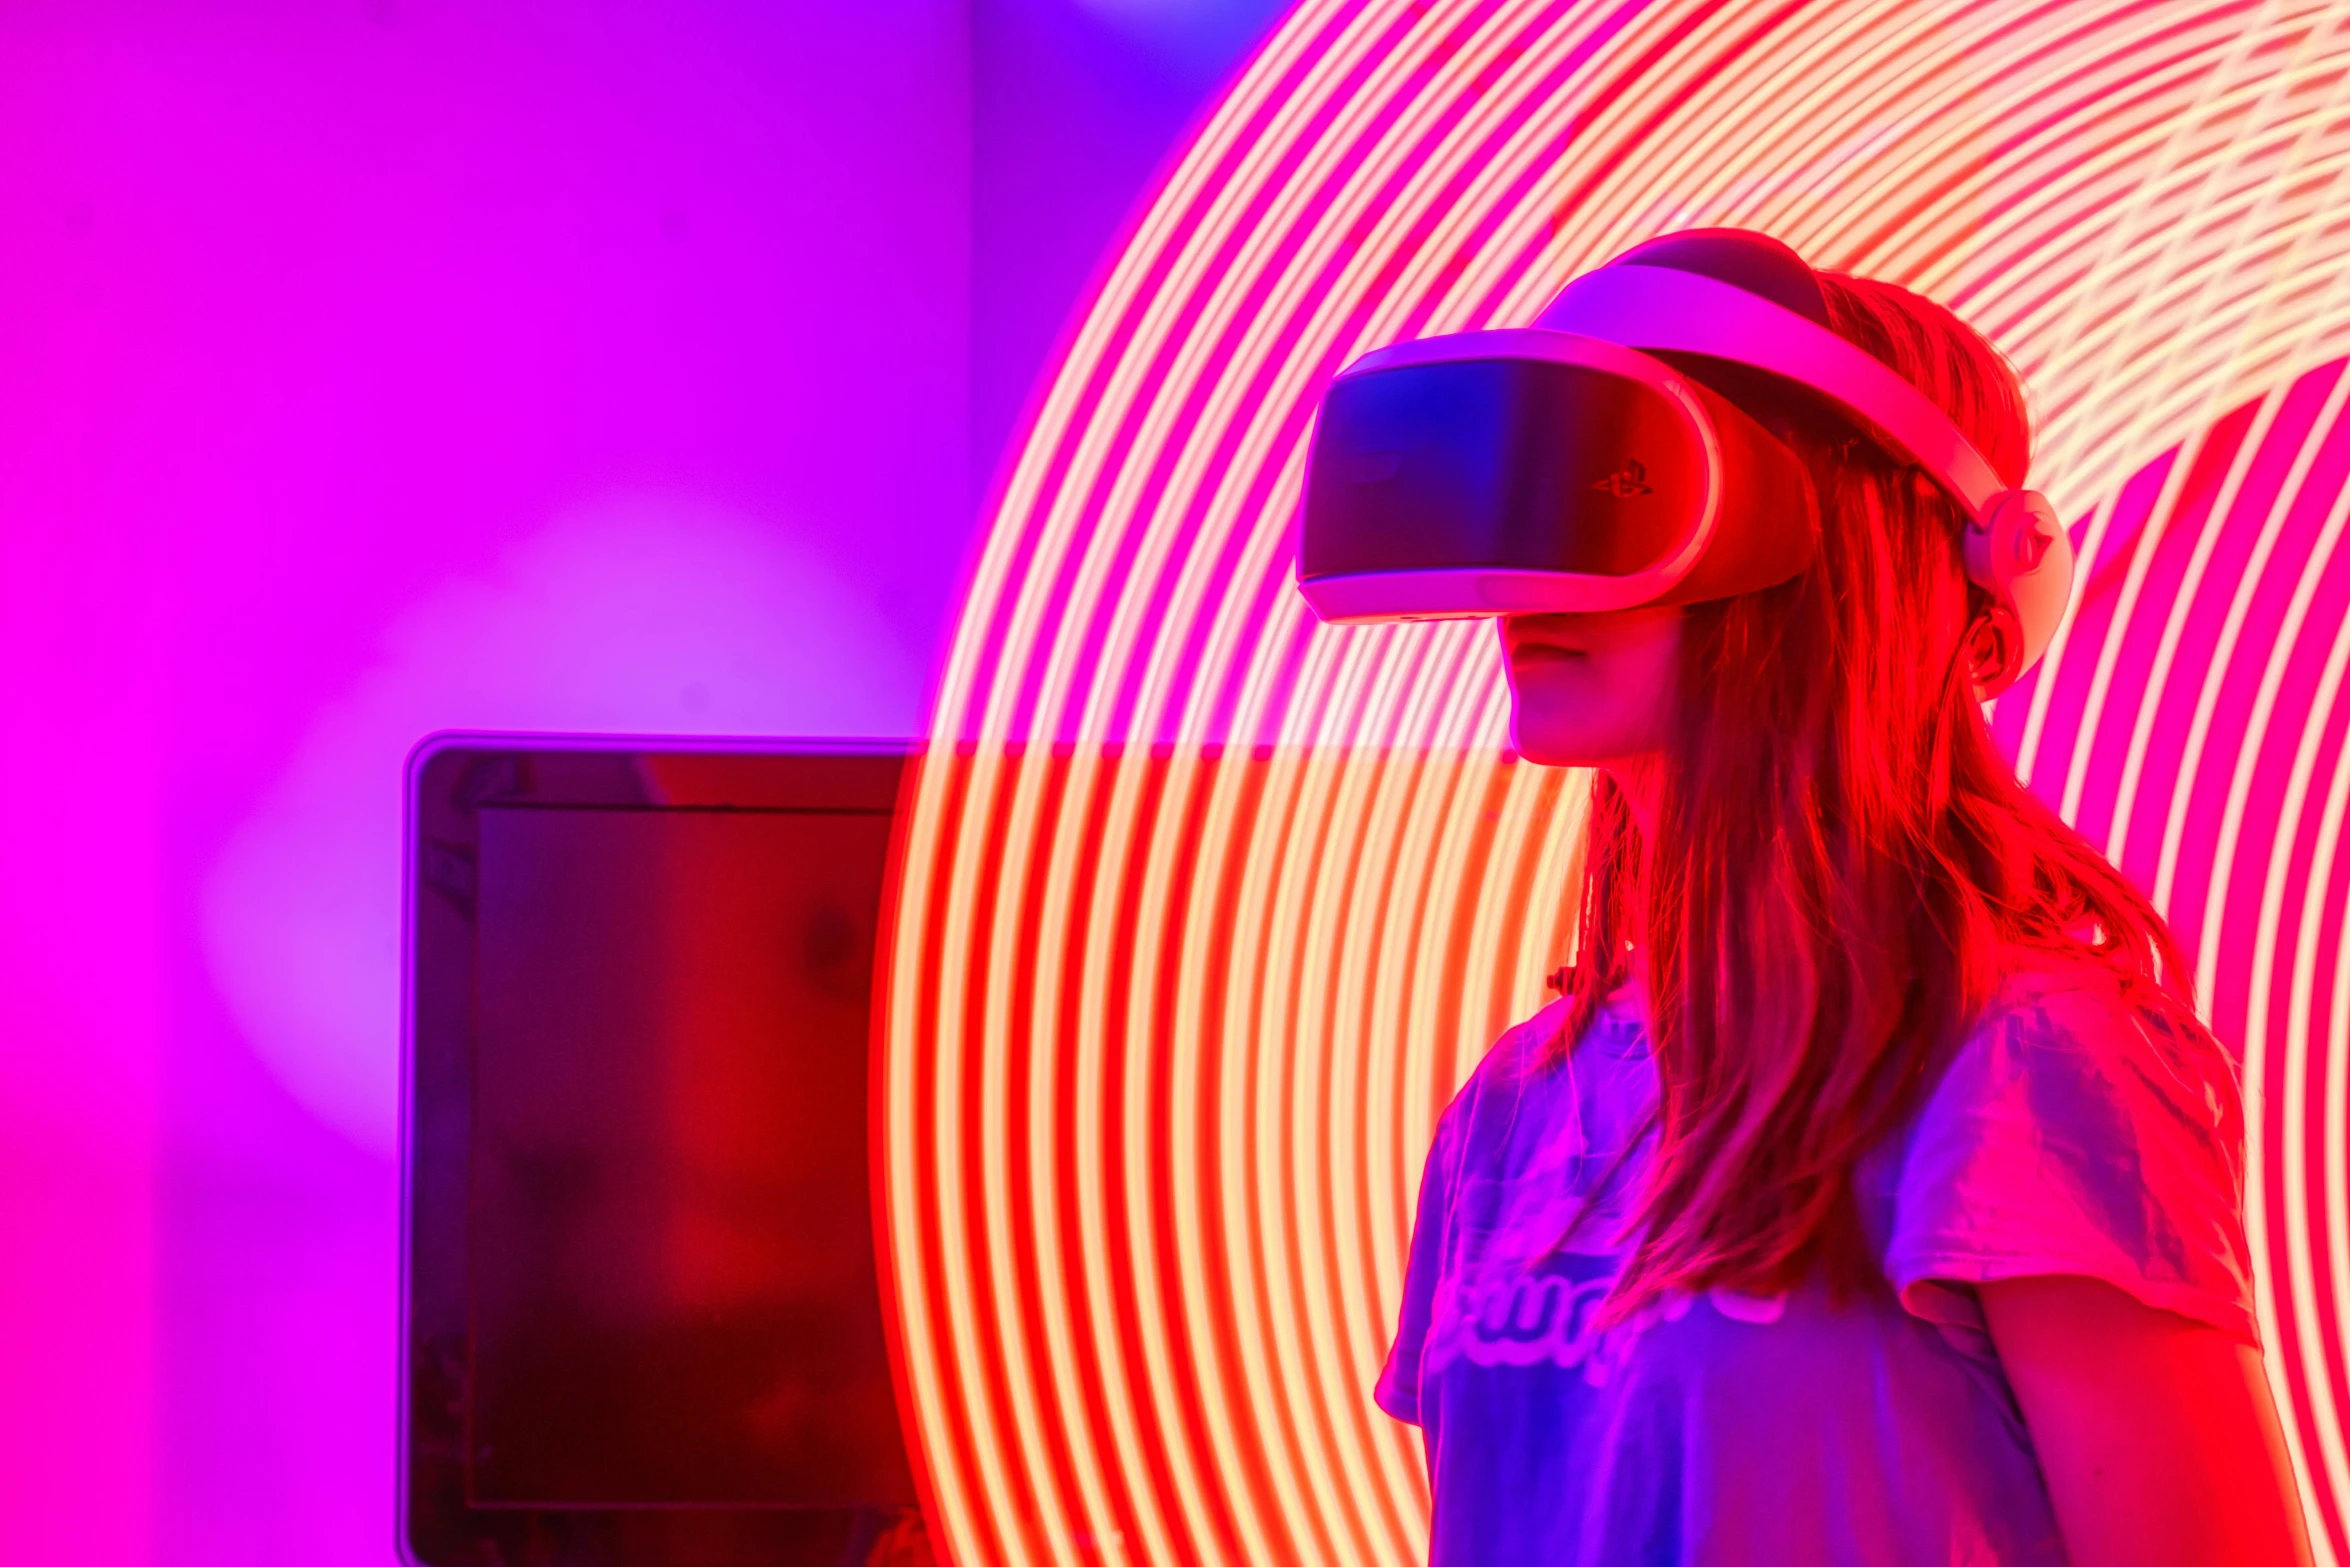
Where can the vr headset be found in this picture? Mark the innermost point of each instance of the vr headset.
(1616, 453)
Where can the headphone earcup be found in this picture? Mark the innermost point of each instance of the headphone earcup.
(2021, 555)
(1994, 651)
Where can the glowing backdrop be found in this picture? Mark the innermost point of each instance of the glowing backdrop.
(1205, 909)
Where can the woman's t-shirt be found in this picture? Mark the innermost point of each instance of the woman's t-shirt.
(2079, 1130)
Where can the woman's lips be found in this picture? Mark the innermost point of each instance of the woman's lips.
(1532, 655)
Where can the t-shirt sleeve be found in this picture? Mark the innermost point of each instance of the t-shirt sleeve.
(2079, 1131)
(1398, 1389)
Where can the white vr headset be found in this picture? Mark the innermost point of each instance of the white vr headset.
(1568, 466)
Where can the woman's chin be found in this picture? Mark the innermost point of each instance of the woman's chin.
(1546, 748)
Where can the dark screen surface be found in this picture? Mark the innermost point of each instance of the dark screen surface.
(644, 1315)
(1498, 463)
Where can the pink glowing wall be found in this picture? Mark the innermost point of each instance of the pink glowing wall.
(379, 366)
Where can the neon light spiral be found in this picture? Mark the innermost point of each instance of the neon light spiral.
(1205, 910)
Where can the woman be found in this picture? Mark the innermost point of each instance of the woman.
(1872, 1194)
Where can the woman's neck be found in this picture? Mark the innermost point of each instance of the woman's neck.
(1640, 780)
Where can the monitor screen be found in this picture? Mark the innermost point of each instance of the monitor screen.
(645, 1321)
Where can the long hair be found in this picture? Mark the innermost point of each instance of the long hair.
(1844, 866)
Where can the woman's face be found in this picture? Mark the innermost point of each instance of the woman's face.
(1593, 690)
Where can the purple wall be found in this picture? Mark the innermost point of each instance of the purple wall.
(372, 368)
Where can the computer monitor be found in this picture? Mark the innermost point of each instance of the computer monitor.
(643, 1322)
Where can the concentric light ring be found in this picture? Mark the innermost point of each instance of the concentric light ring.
(1204, 910)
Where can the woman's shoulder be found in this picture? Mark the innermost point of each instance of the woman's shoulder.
(2087, 1124)
(2055, 1018)
(1525, 1054)
(1523, 1050)
(2078, 1072)
(1533, 1075)
(1538, 1046)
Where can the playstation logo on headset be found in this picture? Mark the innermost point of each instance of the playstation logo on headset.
(1626, 482)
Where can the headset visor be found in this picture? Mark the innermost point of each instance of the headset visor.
(1464, 474)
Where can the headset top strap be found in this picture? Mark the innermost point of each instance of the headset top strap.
(1653, 307)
